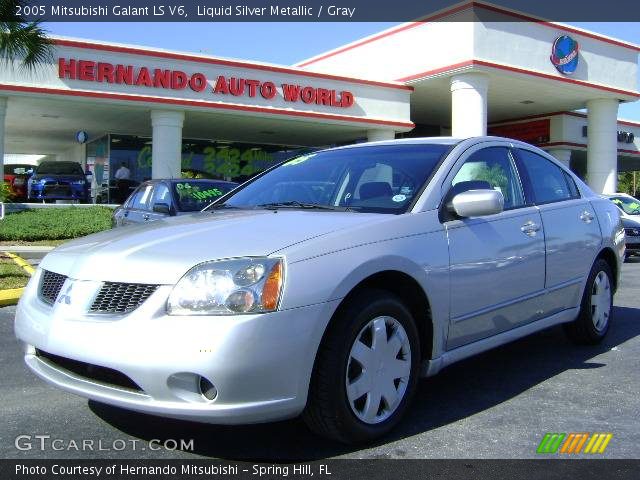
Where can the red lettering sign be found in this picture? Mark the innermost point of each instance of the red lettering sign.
(90, 71)
(536, 131)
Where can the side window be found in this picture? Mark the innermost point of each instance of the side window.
(141, 200)
(548, 181)
(161, 195)
(493, 167)
(132, 198)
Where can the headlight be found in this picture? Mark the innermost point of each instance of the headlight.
(229, 287)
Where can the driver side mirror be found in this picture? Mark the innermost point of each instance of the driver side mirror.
(162, 208)
(477, 203)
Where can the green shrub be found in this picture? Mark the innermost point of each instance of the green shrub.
(54, 223)
(5, 192)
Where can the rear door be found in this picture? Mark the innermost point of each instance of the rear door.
(571, 229)
(497, 261)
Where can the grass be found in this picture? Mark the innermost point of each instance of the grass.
(35, 243)
(46, 224)
(11, 275)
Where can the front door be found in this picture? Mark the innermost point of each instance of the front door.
(497, 262)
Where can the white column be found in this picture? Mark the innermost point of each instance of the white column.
(602, 145)
(380, 134)
(3, 113)
(563, 155)
(167, 143)
(469, 105)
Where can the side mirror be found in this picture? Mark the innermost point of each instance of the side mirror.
(477, 203)
(162, 208)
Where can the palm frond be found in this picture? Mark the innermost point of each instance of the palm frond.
(22, 40)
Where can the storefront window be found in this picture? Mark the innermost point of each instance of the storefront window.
(234, 161)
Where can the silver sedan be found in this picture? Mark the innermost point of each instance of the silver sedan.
(326, 286)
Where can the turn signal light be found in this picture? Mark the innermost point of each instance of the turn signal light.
(272, 288)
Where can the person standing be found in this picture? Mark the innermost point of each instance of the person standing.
(123, 173)
(122, 177)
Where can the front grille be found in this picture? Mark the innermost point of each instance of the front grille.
(118, 298)
(50, 286)
(632, 232)
(96, 373)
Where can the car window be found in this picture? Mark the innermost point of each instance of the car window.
(548, 181)
(495, 167)
(161, 194)
(630, 206)
(141, 199)
(380, 179)
(59, 168)
(193, 196)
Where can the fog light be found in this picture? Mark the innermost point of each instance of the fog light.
(207, 389)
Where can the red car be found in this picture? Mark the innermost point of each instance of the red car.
(16, 176)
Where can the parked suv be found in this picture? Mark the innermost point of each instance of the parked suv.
(54, 180)
(325, 286)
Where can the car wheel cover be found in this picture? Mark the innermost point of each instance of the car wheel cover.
(378, 370)
(601, 301)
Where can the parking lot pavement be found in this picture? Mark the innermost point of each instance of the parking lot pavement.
(497, 405)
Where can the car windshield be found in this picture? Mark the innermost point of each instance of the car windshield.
(380, 179)
(60, 168)
(629, 205)
(194, 196)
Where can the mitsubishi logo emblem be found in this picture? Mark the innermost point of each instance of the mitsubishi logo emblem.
(66, 296)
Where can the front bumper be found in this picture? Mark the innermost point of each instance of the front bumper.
(64, 192)
(259, 364)
(632, 244)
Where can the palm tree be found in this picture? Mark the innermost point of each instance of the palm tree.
(20, 39)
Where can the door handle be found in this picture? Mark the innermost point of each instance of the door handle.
(586, 216)
(530, 228)
(145, 216)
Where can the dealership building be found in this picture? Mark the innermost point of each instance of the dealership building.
(160, 112)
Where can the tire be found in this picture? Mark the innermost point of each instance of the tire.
(593, 321)
(330, 411)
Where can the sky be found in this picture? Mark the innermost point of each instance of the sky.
(280, 43)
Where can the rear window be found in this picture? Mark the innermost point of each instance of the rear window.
(60, 168)
(194, 196)
(17, 169)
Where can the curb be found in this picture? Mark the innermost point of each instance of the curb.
(12, 295)
(21, 262)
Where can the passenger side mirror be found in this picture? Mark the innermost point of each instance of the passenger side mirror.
(477, 203)
(162, 208)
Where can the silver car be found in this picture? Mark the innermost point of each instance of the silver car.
(326, 286)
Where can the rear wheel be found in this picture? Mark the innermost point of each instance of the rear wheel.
(366, 370)
(596, 309)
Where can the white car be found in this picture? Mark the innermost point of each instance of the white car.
(327, 285)
(630, 212)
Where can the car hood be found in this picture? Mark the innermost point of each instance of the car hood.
(629, 221)
(162, 251)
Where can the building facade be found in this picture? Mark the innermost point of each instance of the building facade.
(161, 112)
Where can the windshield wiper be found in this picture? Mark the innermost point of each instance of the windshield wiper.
(215, 206)
(296, 204)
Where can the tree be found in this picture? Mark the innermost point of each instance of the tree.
(22, 40)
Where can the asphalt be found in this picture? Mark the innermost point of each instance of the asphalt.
(496, 405)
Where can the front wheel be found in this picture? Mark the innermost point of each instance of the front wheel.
(596, 309)
(366, 370)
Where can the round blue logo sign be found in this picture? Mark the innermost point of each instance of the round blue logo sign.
(564, 54)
